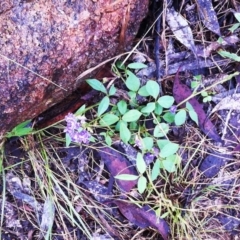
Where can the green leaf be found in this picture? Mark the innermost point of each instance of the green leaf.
(166, 101)
(149, 108)
(81, 110)
(132, 82)
(189, 106)
(169, 149)
(204, 94)
(169, 117)
(193, 115)
(112, 90)
(229, 55)
(169, 163)
(127, 177)
(119, 65)
(141, 165)
(137, 65)
(125, 134)
(108, 140)
(237, 15)
(142, 184)
(97, 85)
(234, 27)
(155, 170)
(20, 130)
(103, 105)
(131, 116)
(108, 119)
(143, 91)
(122, 106)
(161, 130)
(153, 88)
(162, 142)
(147, 143)
(68, 139)
(180, 117)
(158, 109)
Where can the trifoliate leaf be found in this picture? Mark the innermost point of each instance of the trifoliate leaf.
(131, 116)
(103, 105)
(108, 119)
(97, 85)
(132, 82)
(142, 184)
(137, 65)
(141, 165)
(153, 88)
(166, 101)
(161, 130)
(150, 107)
(122, 106)
(180, 117)
(169, 149)
(125, 134)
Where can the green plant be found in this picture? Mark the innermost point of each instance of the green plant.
(127, 119)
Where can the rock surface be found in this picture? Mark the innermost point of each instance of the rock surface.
(46, 44)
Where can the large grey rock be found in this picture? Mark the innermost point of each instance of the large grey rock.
(46, 44)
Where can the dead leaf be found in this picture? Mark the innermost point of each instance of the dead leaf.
(143, 217)
(182, 92)
(230, 102)
(208, 16)
(180, 28)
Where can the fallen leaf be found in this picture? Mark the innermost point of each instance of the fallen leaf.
(143, 217)
(180, 29)
(231, 102)
(208, 16)
(182, 92)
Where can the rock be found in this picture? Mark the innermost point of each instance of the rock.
(45, 45)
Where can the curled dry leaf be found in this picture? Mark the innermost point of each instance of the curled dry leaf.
(180, 29)
(230, 102)
(182, 92)
(208, 16)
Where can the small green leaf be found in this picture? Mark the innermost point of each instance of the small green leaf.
(229, 55)
(81, 110)
(132, 82)
(120, 65)
(180, 117)
(166, 101)
(169, 163)
(149, 108)
(142, 184)
(68, 139)
(20, 130)
(112, 90)
(143, 91)
(97, 85)
(147, 143)
(155, 170)
(234, 27)
(204, 94)
(161, 130)
(158, 109)
(153, 88)
(237, 15)
(131, 116)
(127, 177)
(189, 106)
(169, 117)
(108, 119)
(122, 106)
(169, 149)
(125, 134)
(103, 105)
(141, 165)
(193, 115)
(162, 142)
(194, 84)
(137, 65)
(108, 140)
